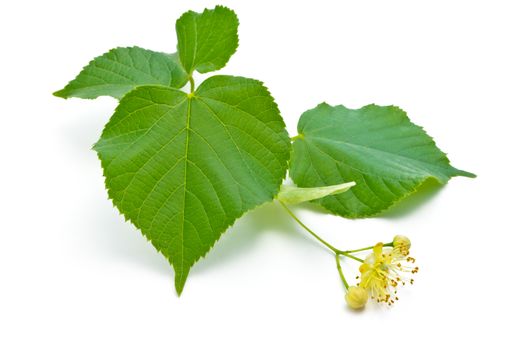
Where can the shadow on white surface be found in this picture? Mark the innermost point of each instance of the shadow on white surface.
(407, 206)
(245, 233)
(117, 240)
(87, 120)
(104, 232)
(414, 202)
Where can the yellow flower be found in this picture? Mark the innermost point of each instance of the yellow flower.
(402, 244)
(384, 270)
(356, 297)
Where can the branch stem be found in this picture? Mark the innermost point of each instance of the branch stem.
(340, 270)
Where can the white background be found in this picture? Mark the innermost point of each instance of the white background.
(74, 275)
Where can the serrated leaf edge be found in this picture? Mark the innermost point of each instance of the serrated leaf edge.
(456, 172)
(62, 92)
(179, 288)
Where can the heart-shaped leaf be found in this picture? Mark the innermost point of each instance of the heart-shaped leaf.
(387, 156)
(183, 167)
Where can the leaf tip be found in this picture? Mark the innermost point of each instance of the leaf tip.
(61, 93)
(179, 284)
(465, 174)
(323, 105)
(228, 11)
(343, 187)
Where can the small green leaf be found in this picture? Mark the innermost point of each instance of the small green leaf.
(122, 69)
(207, 40)
(184, 167)
(296, 195)
(377, 147)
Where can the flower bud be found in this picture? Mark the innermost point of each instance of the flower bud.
(402, 244)
(356, 297)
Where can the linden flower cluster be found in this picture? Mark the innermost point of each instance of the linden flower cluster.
(388, 267)
(382, 272)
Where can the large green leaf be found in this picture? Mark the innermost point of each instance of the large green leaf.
(207, 40)
(377, 147)
(122, 69)
(182, 167)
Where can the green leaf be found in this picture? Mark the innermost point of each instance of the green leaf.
(377, 147)
(183, 167)
(120, 70)
(296, 195)
(207, 40)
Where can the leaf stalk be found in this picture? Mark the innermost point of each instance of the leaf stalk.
(192, 84)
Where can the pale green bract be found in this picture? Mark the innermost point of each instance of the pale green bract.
(377, 147)
(206, 41)
(184, 167)
(296, 195)
(120, 70)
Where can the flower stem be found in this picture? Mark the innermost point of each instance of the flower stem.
(391, 244)
(340, 270)
(336, 251)
(316, 236)
(348, 255)
(325, 243)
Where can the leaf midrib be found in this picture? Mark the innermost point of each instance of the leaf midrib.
(185, 183)
(443, 170)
